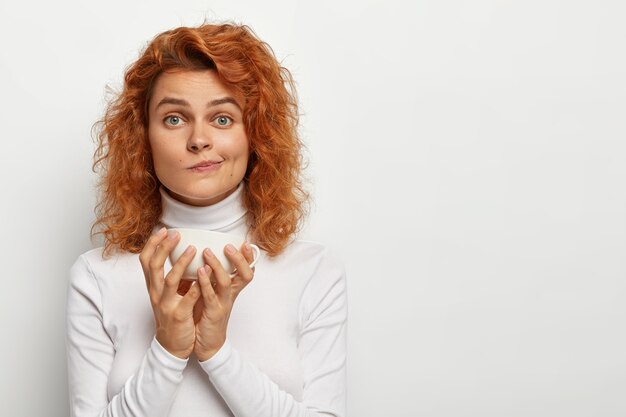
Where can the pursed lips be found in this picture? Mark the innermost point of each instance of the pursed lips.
(206, 164)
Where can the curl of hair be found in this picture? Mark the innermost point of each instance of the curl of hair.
(129, 202)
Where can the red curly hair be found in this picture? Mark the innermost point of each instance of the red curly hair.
(129, 202)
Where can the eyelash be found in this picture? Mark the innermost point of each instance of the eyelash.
(183, 119)
(230, 119)
(172, 116)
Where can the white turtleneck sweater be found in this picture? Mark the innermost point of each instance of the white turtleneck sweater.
(285, 353)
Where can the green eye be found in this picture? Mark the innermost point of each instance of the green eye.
(224, 120)
(173, 120)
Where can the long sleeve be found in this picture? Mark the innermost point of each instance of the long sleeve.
(322, 349)
(149, 392)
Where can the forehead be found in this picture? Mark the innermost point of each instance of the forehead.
(194, 86)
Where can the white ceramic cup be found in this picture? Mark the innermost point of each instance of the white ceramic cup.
(201, 239)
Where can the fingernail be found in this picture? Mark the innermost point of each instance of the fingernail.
(247, 246)
(161, 231)
(173, 235)
(209, 252)
(202, 271)
(189, 249)
(230, 249)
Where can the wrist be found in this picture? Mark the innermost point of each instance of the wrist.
(219, 360)
(165, 358)
(206, 354)
(181, 354)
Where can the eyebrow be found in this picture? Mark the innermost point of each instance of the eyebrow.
(185, 103)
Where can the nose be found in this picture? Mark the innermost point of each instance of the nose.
(200, 139)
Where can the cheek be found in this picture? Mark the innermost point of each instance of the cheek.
(233, 146)
(164, 157)
(242, 146)
(243, 151)
(162, 146)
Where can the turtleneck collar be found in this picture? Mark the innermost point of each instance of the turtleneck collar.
(228, 215)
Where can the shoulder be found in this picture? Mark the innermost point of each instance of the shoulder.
(93, 264)
(316, 266)
(312, 253)
(310, 248)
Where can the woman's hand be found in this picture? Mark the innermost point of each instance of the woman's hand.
(219, 292)
(173, 313)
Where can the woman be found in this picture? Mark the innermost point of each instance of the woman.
(203, 136)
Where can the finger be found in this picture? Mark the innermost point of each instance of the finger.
(247, 252)
(206, 286)
(244, 272)
(189, 300)
(148, 250)
(221, 277)
(157, 261)
(172, 280)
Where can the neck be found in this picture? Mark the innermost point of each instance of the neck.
(227, 215)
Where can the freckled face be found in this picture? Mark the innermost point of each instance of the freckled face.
(194, 118)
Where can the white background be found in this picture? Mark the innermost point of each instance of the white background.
(467, 163)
